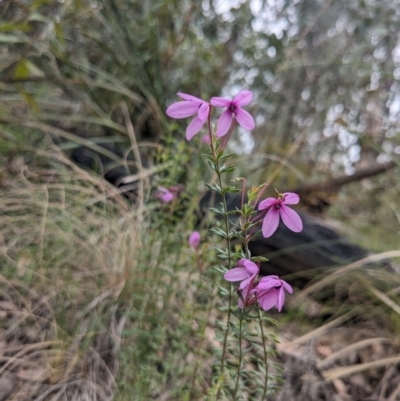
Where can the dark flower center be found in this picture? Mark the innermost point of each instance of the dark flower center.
(232, 108)
(277, 206)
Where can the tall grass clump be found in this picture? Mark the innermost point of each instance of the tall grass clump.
(129, 305)
(61, 227)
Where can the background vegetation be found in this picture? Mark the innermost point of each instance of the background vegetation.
(101, 296)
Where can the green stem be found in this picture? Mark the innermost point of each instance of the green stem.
(265, 357)
(240, 355)
(228, 241)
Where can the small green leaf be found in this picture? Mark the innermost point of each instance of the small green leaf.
(234, 328)
(259, 259)
(223, 290)
(226, 156)
(214, 187)
(219, 232)
(212, 165)
(220, 269)
(217, 211)
(209, 156)
(228, 169)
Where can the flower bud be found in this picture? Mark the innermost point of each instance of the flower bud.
(194, 239)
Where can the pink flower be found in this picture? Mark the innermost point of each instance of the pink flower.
(246, 272)
(277, 208)
(233, 109)
(188, 107)
(164, 194)
(270, 292)
(194, 239)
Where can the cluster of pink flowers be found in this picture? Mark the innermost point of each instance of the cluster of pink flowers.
(268, 292)
(191, 105)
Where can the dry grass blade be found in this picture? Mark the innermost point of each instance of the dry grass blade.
(350, 348)
(320, 284)
(319, 331)
(386, 300)
(396, 393)
(138, 161)
(144, 174)
(64, 134)
(336, 373)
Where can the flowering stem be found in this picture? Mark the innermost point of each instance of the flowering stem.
(265, 356)
(225, 139)
(228, 243)
(240, 353)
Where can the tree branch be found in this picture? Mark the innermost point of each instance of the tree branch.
(334, 184)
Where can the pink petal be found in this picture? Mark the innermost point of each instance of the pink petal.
(245, 295)
(271, 222)
(281, 299)
(243, 98)
(167, 197)
(287, 287)
(244, 119)
(193, 128)
(291, 198)
(245, 283)
(190, 97)
(220, 102)
(267, 283)
(224, 123)
(241, 262)
(251, 267)
(271, 276)
(163, 194)
(182, 109)
(265, 204)
(236, 274)
(203, 111)
(268, 299)
(291, 219)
